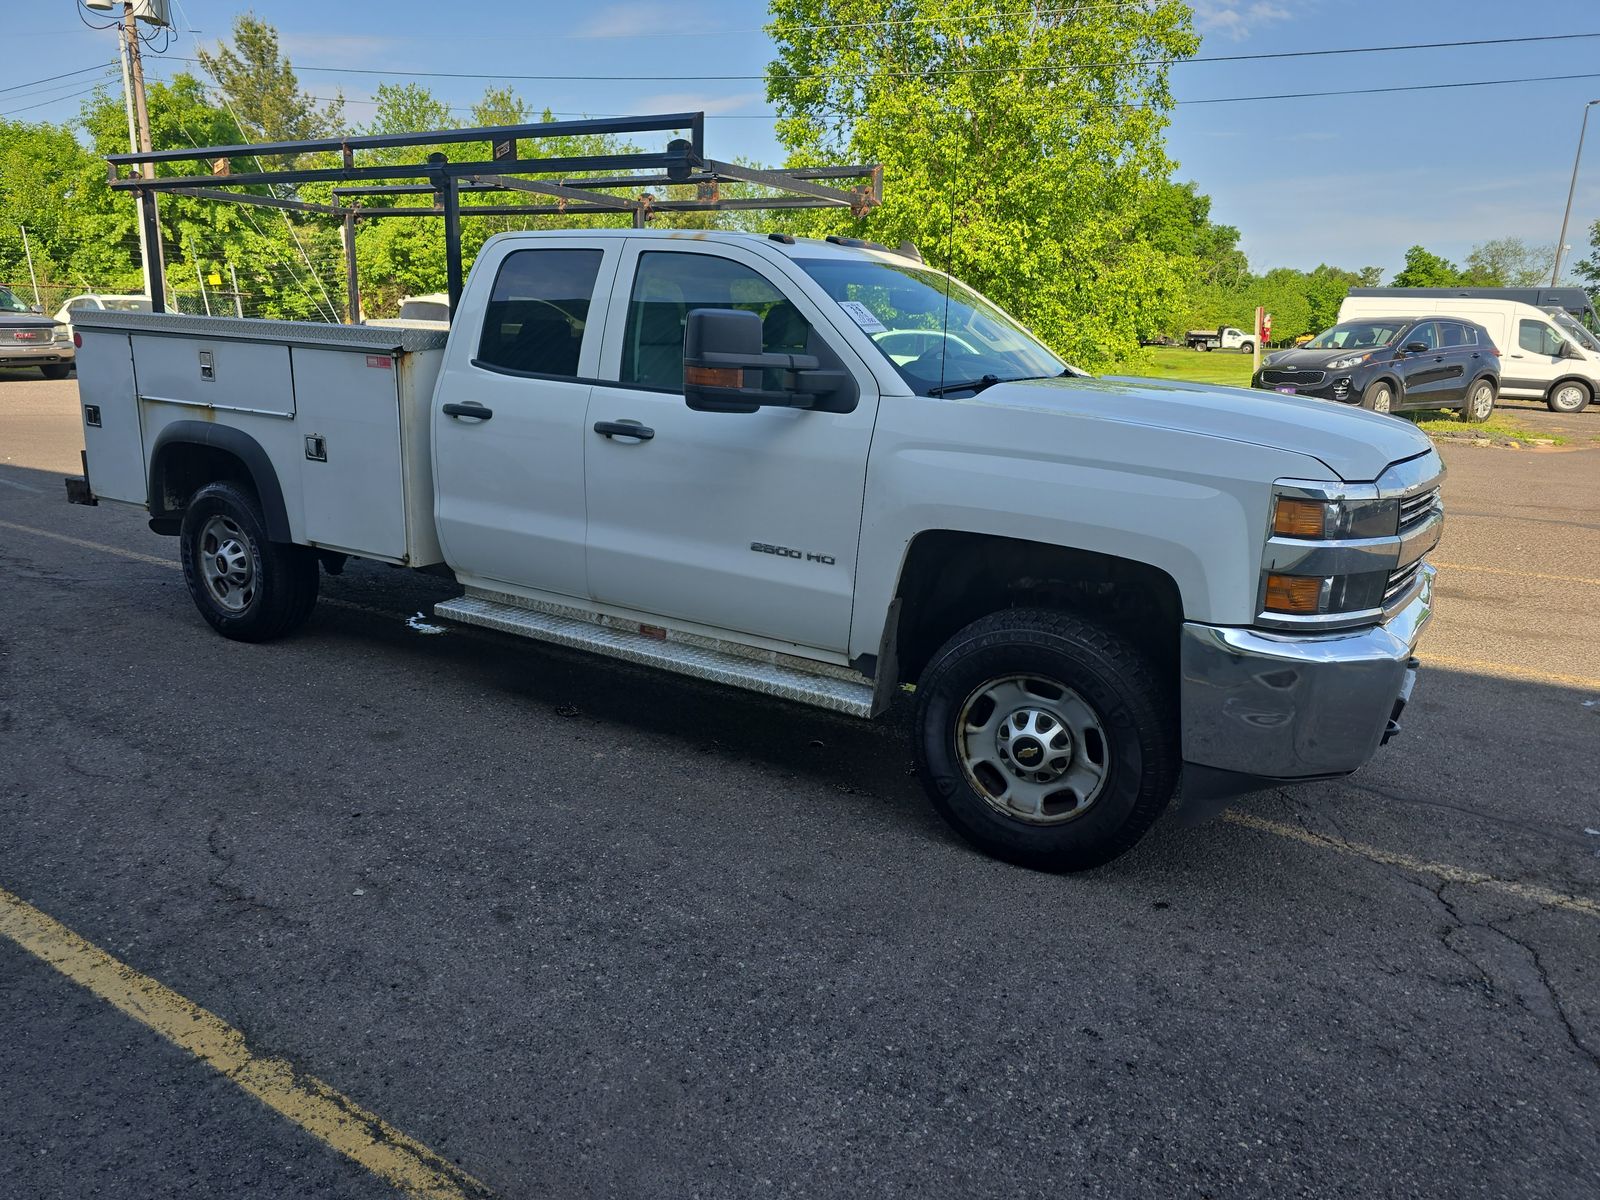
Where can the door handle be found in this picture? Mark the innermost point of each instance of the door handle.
(1513, 356)
(468, 410)
(627, 429)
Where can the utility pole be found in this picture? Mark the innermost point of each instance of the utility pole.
(1561, 242)
(139, 128)
(238, 298)
(28, 250)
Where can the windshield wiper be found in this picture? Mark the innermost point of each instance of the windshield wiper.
(972, 385)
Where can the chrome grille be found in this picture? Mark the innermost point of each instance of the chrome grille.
(1304, 378)
(1416, 509)
(1400, 584)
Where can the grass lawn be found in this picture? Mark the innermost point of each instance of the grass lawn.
(1196, 366)
(1445, 423)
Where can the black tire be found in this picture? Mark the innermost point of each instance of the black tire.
(1203, 346)
(1379, 398)
(1569, 396)
(273, 587)
(1247, 347)
(1479, 404)
(1137, 740)
(56, 370)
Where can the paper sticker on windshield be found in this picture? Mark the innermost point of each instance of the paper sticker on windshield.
(862, 316)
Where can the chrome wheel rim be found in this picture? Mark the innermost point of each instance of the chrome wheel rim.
(1033, 748)
(1570, 397)
(1380, 401)
(1482, 401)
(226, 565)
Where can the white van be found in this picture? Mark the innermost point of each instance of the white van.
(1544, 355)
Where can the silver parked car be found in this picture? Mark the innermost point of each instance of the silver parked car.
(30, 339)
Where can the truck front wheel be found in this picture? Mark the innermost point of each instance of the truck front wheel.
(1046, 740)
(248, 588)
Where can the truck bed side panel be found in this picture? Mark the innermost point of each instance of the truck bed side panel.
(354, 497)
(107, 391)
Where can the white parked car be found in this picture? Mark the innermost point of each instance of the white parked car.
(419, 312)
(95, 302)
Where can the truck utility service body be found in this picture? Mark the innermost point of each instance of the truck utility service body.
(715, 453)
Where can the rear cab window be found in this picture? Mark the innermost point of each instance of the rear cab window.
(538, 312)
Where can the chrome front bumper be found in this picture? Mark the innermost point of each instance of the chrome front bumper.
(1281, 706)
(31, 354)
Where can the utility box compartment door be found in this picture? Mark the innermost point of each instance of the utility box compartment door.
(253, 377)
(111, 429)
(351, 473)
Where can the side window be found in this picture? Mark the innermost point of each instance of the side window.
(1423, 333)
(1454, 335)
(668, 285)
(538, 311)
(1538, 338)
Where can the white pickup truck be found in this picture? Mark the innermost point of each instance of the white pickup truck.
(821, 471)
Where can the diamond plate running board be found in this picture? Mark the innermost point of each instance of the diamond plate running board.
(771, 674)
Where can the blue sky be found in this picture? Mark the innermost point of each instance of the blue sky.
(1351, 180)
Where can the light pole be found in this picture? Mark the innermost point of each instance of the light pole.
(1555, 271)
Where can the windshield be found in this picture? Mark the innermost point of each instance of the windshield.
(9, 303)
(1358, 334)
(1570, 326)
(935, 331)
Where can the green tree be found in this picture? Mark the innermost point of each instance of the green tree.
(1588, 269)
(1019, 151)
(1508, 262)
(257, 84)
(1423, 268)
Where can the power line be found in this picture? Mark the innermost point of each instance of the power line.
(17, 87)
(57, 100)
(946, 71)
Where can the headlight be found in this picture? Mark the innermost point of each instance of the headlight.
(1330, 550)
(61, 334)
(1344, 364)
(1319, 518)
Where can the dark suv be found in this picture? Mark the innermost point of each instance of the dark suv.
(1387, 364)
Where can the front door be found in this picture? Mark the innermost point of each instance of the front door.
(737, 521)
(508, 420)
(1424, 373)
(1534, 362)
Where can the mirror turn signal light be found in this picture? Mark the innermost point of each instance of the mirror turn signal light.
(1299, 595)
(723, 377)
(1299, 518)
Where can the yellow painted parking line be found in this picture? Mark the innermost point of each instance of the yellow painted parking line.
(326, 1114)
(1510, 671)
(1450, 566)
(72, 541)
(1544, 897)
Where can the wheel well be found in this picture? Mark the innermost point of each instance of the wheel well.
(1577, 379)
(951, 579)
(190, 454)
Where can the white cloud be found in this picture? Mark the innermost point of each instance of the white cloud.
(671, 102)
(644, 17)
(1235, 20)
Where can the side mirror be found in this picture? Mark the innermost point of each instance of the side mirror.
(36, 308)
(725, 370)
(1417, 347)
(1568, 350)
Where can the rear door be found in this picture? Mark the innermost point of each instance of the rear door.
(508, 431)
(738, 521)
(1458, 345)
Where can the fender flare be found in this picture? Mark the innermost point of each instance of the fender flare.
(241, 446)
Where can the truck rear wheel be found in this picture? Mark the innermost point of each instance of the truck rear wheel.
(248, 588)
(1046, 740)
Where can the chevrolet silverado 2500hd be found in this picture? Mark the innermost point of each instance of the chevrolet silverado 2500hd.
(819, 471)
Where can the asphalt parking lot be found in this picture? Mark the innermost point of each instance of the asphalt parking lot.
(581, 930)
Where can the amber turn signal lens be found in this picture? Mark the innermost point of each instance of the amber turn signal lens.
(726, 377)
(1298, 518)
(1297, 594)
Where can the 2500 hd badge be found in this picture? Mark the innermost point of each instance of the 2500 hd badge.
(788, 552)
